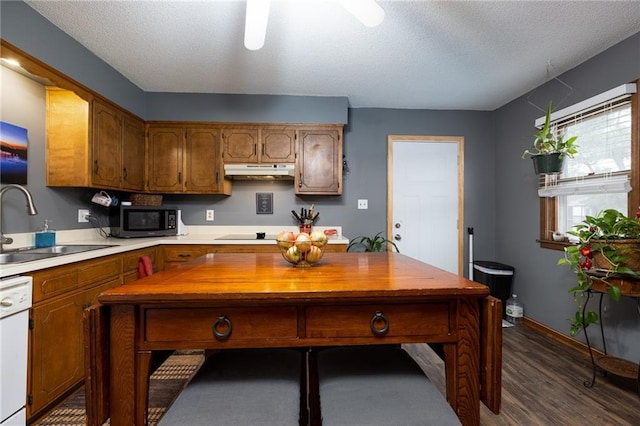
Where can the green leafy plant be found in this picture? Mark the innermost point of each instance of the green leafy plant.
(549, 141)
(371, 244)
(598, 236)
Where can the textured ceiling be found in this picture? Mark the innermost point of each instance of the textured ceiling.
(473, 55)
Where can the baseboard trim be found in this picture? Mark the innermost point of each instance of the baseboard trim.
(560, 338)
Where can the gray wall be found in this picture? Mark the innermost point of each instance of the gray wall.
(500, 189)
(246, 108)
(540, 283)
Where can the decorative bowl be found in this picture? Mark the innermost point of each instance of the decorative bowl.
(302, 250)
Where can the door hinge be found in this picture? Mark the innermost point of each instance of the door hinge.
(32, 324)
(30, 399)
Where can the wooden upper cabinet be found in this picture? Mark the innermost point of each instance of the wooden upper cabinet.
(165, 148)
(258, 144)
(204, 170)
(319, 161)
(106, 155)
(278, 145)
(117, 149)
(133, 154)
(92, 144)
(240, 145)
(67, 127)
(185, 160)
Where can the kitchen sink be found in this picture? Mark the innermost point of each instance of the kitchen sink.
(19, 257)
(66, 249)
(38, 253)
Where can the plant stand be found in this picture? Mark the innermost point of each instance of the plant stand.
(610, 364)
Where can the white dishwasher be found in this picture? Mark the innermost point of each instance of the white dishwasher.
(15, 301)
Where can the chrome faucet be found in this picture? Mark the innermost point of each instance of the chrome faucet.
(31, 210)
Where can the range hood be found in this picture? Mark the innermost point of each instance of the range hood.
(259, 171)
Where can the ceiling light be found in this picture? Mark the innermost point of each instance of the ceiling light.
(366, 11)
(255, 25)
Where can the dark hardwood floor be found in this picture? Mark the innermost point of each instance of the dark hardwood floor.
(542, 384)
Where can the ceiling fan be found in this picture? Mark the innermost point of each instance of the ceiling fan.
(369, 12)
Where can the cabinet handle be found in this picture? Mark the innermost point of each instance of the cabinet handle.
(179, 177)
(221, 323)
(376, 318)
(124, 171)
(255, 149)
(300, 179)
(95, 166)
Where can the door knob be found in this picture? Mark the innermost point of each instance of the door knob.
(397, 237)
(397, 225)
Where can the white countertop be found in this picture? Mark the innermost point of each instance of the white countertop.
(195, 235)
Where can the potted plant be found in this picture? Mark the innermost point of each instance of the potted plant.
(608, 251)
(371, 244)
(550, 148)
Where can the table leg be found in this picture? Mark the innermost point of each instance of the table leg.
(122, 387)
(462, 364)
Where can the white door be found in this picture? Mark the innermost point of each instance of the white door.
(425, 199)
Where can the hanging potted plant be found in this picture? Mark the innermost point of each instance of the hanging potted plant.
(550, 148)
(606, 258)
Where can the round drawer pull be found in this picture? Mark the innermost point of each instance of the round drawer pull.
(224, 324)
(377, 318)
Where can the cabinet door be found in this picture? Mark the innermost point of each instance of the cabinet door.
(67, 150)
(278, 146)
(56, 348)
(165, 155)
(319, 162)
(105, 146)
(132, 154)
(240, 145)
(202, 165)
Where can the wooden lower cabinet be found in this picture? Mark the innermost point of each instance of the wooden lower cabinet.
(56, 344)
(130, 262)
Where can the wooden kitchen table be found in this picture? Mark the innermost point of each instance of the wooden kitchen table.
(227, 300)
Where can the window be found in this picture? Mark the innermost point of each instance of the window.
(604, 174)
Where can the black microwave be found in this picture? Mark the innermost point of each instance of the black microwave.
(143, 221)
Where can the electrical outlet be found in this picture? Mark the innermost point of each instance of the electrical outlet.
(82, 215)
(363, 204)
(209, 216)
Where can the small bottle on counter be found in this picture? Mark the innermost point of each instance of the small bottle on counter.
(46, 237)
(514, 310)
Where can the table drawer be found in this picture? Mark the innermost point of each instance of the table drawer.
(390, 320)
(229, 324)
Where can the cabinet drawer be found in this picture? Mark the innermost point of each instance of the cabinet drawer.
(130, 263)
(182, 254)
(59, 280)
(96, 271)
(131, 259)
(232, 324)
(391, 320)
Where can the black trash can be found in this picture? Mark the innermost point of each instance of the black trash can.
(497, 276)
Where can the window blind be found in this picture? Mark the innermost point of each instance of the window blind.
(603, 161)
